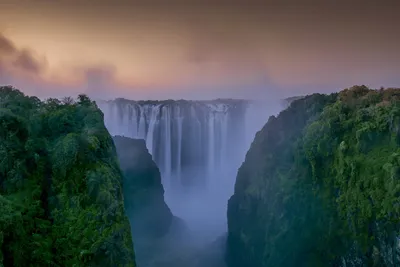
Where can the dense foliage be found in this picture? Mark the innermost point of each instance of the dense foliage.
(60, 185)
(320, 185)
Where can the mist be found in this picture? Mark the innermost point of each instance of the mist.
(203, 207)
(198, 146)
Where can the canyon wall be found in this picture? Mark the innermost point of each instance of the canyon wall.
(149, 215)
(320, 185)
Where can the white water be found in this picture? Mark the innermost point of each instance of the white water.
(198, 147)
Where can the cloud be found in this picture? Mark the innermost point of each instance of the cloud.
(18, 62)
(26, 62)
(4, 75)
(201, 50)
(99, 80)
(22, 68)
(6, 46)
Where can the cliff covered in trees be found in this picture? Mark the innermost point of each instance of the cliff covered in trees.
(61, 196)
(320, 185)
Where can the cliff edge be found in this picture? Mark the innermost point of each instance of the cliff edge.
(320, 185)
(143, 190)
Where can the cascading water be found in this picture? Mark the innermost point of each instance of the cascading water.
(182, 135)
(198, 146)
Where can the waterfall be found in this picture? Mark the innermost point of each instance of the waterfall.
(198, 147)
(179, 119)
(191, 141)
(152, 124)
(224, 139)
(141, 132)
(211, 144)
(167, 144)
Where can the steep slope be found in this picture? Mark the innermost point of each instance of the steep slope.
(157, 233)
(320, 185)
(60, 185)
(143, 191)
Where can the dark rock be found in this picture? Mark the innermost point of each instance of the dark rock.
(143, 192)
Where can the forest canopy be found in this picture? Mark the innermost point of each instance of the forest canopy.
(60, 185)
(320, 185)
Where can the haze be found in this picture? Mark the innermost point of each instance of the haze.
(197, 50)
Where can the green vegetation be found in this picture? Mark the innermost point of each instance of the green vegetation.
(60, 185)
(320, 185)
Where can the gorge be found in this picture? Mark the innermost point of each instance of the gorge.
(241, 133)
(318, 186)
(198, 146)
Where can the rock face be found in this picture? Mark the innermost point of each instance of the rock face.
(157, 234)
(320, 185)
(143, 191)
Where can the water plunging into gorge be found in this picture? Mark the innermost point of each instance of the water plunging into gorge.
(198, 146)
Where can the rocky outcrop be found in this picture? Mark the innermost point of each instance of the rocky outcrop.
(320, 185)
(161, 239)
(143, 192)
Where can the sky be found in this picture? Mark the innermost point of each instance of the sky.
(197, 49)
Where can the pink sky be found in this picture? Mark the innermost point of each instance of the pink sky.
(244, 49)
